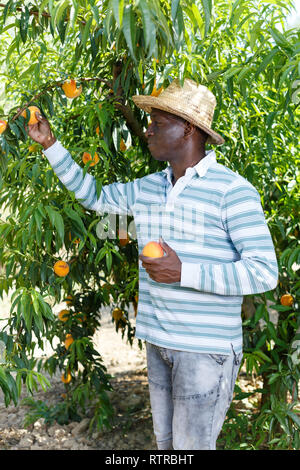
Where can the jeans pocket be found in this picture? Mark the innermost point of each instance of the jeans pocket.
(219, 358)
(235, 370)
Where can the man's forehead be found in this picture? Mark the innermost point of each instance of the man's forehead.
(155, 112)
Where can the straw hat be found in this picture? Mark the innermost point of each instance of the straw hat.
(194, 103)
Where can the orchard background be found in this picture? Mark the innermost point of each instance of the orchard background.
(245, 53)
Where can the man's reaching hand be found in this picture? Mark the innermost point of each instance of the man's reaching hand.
(41, 132)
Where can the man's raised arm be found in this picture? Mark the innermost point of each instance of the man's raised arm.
(116, 197)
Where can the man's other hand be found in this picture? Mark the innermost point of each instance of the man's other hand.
(166, 269)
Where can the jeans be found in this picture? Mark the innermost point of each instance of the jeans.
(190, 394)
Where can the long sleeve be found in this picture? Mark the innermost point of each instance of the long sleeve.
(257, 270)
(115, 198)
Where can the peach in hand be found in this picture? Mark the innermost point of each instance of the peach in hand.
(32, 110)
(153, 250)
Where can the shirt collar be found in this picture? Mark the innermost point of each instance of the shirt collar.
(200, 168)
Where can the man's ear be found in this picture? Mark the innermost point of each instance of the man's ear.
(189, 129)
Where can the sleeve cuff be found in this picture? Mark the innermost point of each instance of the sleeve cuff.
(190, 275)
(55, 152)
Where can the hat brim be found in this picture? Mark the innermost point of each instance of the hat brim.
(174, 107)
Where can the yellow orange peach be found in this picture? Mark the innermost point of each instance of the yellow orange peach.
(153, 250)
(61, 268)
(32, 110)
(3, 126)
(70, 89)
(86, 157)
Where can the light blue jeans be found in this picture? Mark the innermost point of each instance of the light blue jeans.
(190, 394)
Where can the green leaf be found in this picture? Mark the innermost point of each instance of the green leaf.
(60, 11)
(293, 258)
(149, 28)
(42, 8)
(15, 129)
(95, 11)
(11, 49)
(259, 313)
(75, 216)
(197, 16)
(263, 356)
(281, 308)
(245, 71)
(99, 182)
(48, 100)
(38, 320)
(294, 417)
(278, 37)
(38, 219)
(273, 378)
(26, 310)
(57, 221)
(94, 47)
(118, 8)
(261, 341)
(7, 9)
(231, 72)
(270, 144)
(108, 259)
(100, 255)
(174, 9)
(46, 309)
(129, 29)
(266, 61)
(140, 71)
(229, 86)
(23, 23)
(86, 32)
(207, 14)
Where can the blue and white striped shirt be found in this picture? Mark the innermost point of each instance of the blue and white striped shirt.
(213, 219)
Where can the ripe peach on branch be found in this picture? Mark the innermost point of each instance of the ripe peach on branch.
(3, 126)
(61, 268)
(86, 157)
(70, 89)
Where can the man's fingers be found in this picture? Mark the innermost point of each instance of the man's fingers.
(31, 127)
(148, 269)
(167, 249)
(39, 117)
(147, 259)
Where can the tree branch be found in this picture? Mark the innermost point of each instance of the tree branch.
(54, 85)
(131, 120)
(125, 109)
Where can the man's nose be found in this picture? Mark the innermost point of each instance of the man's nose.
(149, 131)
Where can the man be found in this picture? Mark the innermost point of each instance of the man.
(217, 248)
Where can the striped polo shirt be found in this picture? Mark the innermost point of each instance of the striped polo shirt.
(212, 217)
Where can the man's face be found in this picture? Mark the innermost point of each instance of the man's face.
(165, 135)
